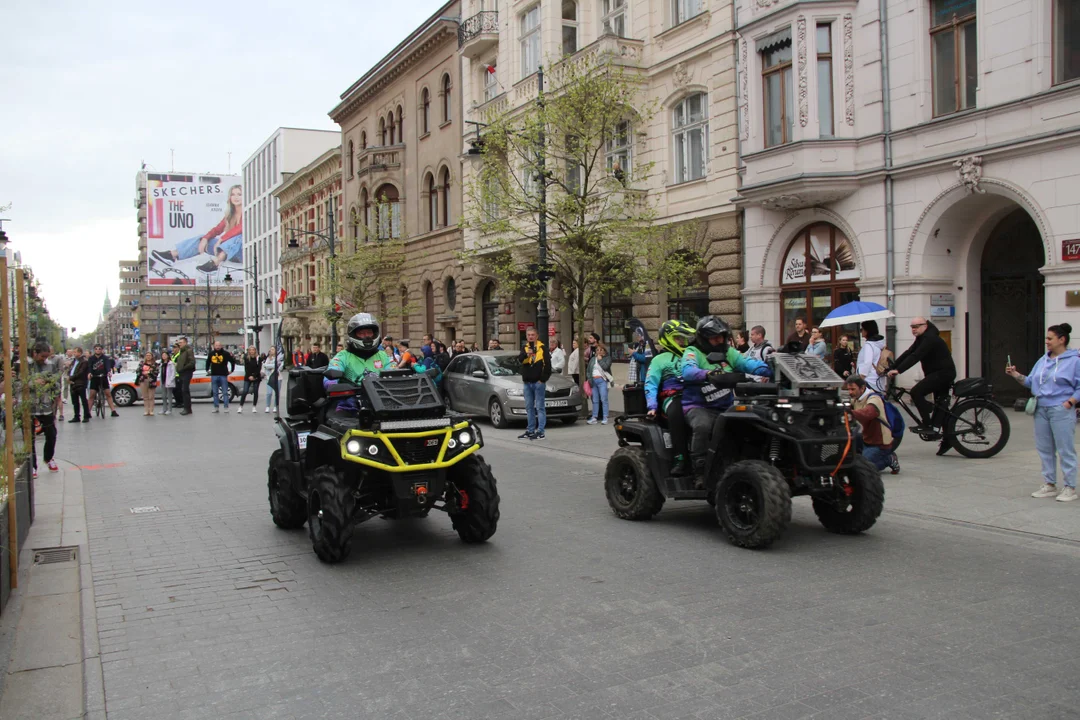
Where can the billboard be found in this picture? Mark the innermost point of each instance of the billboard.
(194, 228)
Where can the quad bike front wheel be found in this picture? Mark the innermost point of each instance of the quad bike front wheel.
(287, 507)
(860, 500)
(753, 504)
(477, 515)
(630, 488)
(329, 524)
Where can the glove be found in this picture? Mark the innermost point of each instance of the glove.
(722, 379)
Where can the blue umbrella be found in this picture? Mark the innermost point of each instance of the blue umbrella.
(856, 312)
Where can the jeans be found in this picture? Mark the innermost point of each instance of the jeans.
(877, 455)
(600, 398)
(1055, 436)
(190, 248)
(233, 248)
(167, 397)
(271, 393)
(183, 386)
(78, 397)
(937, 383)
(534, 406)
(219, 382)
(48, 429)
(251, 386)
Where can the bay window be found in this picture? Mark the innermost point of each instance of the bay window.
(824, 80)
(779, 90)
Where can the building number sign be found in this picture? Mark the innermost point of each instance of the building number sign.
(1070, 250)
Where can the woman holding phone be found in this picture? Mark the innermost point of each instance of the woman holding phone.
(1055, 385)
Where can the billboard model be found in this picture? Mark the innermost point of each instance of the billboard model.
(195, 228)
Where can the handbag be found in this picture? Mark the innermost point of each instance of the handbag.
(588, 389)
(1029, 408)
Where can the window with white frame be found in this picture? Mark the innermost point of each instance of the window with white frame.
(614, 17)
(690, 131)
(491, 85)
(617, 152)
(683, 10)
(569, 27)
(953, 54)
(824, 80)
(778, 88)
(1066, 45)
(530, 41)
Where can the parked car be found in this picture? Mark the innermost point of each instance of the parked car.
(489, 383)
(125, 392)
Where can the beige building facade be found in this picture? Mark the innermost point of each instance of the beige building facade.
(684, 51)
(401, 178)
(950, 195)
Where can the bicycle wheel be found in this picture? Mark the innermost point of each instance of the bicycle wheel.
(977, 428)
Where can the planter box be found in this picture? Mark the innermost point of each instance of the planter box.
(24, 501)
(5, 559)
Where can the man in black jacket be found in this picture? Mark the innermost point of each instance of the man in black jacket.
(78, 376)
(220, 364)
(535, 371)
(317, 358)
(939, 370)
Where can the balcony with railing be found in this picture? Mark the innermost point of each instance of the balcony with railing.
(300, 302)
(478, 34)
(379, 159)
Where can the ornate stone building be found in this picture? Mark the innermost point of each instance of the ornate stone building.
(950, 195)
(685, 53)
(305, 201)
(400, 149)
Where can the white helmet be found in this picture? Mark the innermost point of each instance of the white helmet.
(363, 347)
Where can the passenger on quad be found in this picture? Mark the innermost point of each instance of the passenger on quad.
(363, 354)
(708, 386)
(664, 387)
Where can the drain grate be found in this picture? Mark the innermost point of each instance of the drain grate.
(140, 510)
(48, 556)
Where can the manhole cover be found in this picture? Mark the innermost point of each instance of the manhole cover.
(48, 556)
(149, 508)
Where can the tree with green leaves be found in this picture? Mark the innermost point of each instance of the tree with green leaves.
(603, 236)
(368, 273)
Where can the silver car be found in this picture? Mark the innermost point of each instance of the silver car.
(489, 383)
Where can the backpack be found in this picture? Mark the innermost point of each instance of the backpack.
(893, 419)
(884, 361)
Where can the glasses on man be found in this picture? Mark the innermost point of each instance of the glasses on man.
(916, 326)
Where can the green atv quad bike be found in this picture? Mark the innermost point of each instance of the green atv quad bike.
(401, 455)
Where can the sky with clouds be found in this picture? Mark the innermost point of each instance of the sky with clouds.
(89, 91)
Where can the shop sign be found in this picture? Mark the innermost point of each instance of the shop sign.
(942, 299)
(795, 303)
(551, 331)
(523, 326)
(941, 311)
(1070, 250)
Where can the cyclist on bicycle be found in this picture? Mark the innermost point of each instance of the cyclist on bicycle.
(939, 371)
(101, 367)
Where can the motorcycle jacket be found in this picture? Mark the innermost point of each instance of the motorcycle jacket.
(700, 391)
(353, 369)
(664, 379)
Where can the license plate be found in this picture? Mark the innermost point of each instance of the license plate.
(555, 403)
(301, 440)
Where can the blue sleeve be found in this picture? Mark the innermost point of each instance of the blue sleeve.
(690, 370)
(750, 366)
(1034, 369)
(652, 385)
(639, 356)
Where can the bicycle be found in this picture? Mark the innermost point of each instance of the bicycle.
(99, 401)
(975, 425)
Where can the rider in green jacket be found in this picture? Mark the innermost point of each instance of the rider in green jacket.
(362, 355)
(664, 386)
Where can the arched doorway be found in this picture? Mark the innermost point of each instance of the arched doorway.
(1012, 301)
(819, 273)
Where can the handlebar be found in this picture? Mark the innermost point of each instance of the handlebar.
(755, 388)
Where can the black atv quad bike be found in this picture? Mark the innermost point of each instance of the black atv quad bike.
(401, 455)
(794, 436)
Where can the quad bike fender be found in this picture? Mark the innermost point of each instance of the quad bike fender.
(323, 448)
(650, 436)
(286, 436)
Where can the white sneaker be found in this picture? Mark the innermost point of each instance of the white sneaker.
(240, 411)
(266, 410)
(1067, 495)
(253, 410)
(215, 410)
(1047, 490)
(592, 421)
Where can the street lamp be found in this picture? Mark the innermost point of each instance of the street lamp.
(254, 275)
(328, 239)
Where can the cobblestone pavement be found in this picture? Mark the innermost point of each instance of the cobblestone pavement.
(206, 610)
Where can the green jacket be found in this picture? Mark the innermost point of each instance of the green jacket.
(354, 367)
(185, 360)
(664, 377)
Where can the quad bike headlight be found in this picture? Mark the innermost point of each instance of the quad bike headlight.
(373, 449)
(451, 444)
(775, 417)
(465, 437)
(790, 419)
(353, 447)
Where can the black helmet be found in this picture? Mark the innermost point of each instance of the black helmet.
(711, 326)
(363, 347)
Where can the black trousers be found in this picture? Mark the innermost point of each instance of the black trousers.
(701, 422)
(78, 395)
(251, 386)
(48, 429)
(937, 383)
(676, 422)
(183, 382)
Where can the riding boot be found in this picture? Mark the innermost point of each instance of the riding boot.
(682, 467)
(699, 473)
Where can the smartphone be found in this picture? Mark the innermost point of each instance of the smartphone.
(1008, 361)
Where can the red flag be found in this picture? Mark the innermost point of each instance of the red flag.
(491, 69)
(281, 297)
